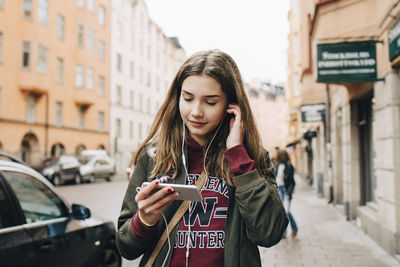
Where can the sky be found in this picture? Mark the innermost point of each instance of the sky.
(253, 32)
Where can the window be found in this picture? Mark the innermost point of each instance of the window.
(119, 31)
(91, 5)
(26, 55)
(37, 201)
(119, 95)
(42, 61)
(60, 70)
(27, 9)
(131, 69)
(131, 129)
(157, 84)
(91, 37)
(102, 16)
(1, 47)
(148, 79)
(7, 216)
(140, 74)
(80, 35)
(132, 40)
(148, 104)
(140, 102)
(79, 76)
(60, 27)
(102, 50)
(43, 12)
(81, 118)
(149, 52)
(140, 131)
(102, 84)
(118, 128)
(59, 111)
(80, 3)
(90, 78)
(101, 122)
(30, 109)
(119, 62)
(131, 98)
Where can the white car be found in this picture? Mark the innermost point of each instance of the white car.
(100, 166)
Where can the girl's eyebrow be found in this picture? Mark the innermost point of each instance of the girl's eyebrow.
(207, 96)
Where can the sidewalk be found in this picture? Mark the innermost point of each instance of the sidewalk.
(325, 238)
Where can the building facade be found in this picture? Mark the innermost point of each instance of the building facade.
(143, 63)
(353, 52)
(54, 66)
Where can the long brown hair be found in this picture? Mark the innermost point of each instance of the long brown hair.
(166, 130)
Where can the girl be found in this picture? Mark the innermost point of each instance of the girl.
(286, 184)
(204, 125)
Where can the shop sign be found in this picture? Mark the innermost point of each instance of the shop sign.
(347, 62)
(312, 112)
(394, 41)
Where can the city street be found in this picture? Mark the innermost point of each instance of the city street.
(325, 238)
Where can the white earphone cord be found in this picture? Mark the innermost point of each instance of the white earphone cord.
(188, 243)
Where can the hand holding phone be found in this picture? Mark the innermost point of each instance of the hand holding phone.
(186, 192)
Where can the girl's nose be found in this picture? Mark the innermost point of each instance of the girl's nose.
(197, 110)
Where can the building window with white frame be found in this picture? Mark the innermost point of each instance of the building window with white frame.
(90, 78)
(26, 55)
(132, 69)
(102, 50)
(27, 9)
(91, 4)
(59, 114)
(119, 95)
(118, 128)
(149, 53)
(148, 105)
(102, 16)
(60, 70)
(140, 102)
(43, 12)
(80, 3)
(131, 129)
(101, 122)
(79, 76)
(140, 75)
(42, 60)
(1, 47)
(120, 31)
(91, 38)
(140, 131)
(30, 109)
(60, 27)
(102, 85)
(148, 79)
(81, 124)
(80, 35)
(119, 63)
(131, 98)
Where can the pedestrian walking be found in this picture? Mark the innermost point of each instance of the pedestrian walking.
(203, 134)
(284, 173)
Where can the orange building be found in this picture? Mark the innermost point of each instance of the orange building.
(54, 76)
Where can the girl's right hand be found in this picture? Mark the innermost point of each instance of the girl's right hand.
(151, 203)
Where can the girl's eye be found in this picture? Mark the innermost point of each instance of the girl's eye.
(187, 99)
(211, 103)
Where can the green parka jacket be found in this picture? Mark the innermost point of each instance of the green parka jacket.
(256, 217)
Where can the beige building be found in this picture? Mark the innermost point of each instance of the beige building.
(54, 67)
(348, 54)
(269, 108)
(143, 63)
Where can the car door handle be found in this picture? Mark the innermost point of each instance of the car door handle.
(47, 247)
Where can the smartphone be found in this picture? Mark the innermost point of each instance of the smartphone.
(186, 192)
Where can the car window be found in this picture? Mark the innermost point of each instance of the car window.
(6, 214)
(38, 202)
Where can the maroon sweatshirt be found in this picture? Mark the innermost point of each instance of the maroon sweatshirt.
(208, 217)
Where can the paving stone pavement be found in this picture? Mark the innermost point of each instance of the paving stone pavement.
(325, 238)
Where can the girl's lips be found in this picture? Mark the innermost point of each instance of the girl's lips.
(197, 124)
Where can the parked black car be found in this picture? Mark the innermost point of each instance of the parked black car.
(63, 169)
(38, 228)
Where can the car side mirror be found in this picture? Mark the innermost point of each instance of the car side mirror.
(80, 212)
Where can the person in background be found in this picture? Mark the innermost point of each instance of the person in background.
(284, 173)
